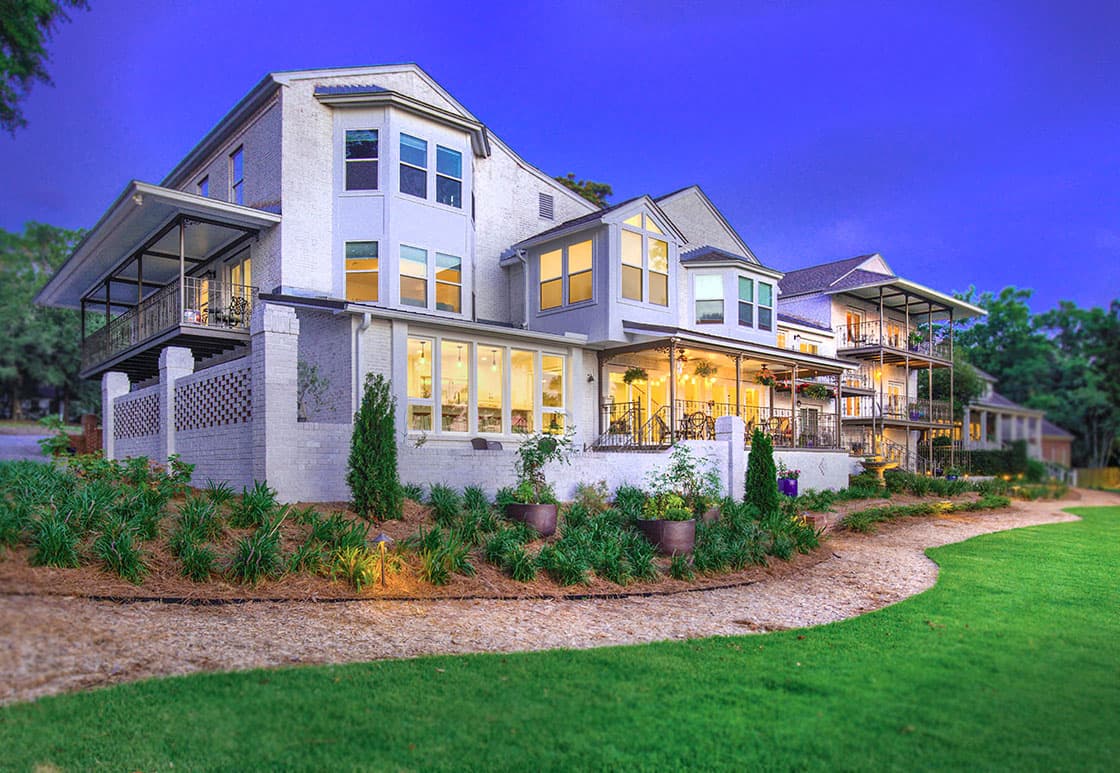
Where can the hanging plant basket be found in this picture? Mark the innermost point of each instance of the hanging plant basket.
(634, 374)
(704, 369)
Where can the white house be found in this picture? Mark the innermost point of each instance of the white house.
(349, 221)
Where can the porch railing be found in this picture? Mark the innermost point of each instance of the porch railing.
(891, 336)
(205, 304)
(865, 406)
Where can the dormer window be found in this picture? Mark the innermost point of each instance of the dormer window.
(645, 261)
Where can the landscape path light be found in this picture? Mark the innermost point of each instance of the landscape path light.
(383, 541)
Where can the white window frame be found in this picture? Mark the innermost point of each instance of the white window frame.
(696, 299)
(237, 184)
(440, 174)
(346, 272)
(565, 277)
(402, 163)
(647, 233)
(759, 306)
(376, 161)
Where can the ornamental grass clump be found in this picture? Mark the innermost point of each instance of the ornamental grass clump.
(445, 504)
(117, 550)
(372, 474)
(255, 508)
(258, 555)
(197, 562)
(54, 542)
(218, 493)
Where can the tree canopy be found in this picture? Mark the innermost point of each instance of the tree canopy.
(25, 28)
(594, 192)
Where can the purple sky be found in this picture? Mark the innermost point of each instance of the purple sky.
(976, 144)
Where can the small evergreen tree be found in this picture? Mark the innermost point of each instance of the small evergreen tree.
(372, 470)
(762, 476)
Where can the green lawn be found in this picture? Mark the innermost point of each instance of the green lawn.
(1011, 662)
(11, 427)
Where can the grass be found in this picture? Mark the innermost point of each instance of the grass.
(31, 427)
(1008, 663)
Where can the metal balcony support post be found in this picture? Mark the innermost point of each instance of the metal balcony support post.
(952, 406)
(875, 434)
(929, 377)
(182, 271)
(738, 380)
(838, 420)
(602, 360)
(793, 406)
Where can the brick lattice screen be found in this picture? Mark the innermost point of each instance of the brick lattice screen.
(136, 416)
(214, 402)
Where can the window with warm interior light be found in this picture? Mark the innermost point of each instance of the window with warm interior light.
(414, 276)
(579, 272)
(566, 276)
(455, 386)
(552, 283)
(361, 160)
(552, 393)
(449, 283)
(419, 378)
(708, 290)
(808, 347)
(361, 271)
(522, 384)
(645, 261)
(490, 388)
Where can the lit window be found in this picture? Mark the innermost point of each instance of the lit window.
(552, 284)
(765, 306)
(522, 385)
(237, 176)
(455, 385)
(552, 393)
(808, 347)
(449, 177)
(746, 304)
(782, 339)
(709, 299)
(361, 271)
(490, 388)
(204, 186)
(645, 262)
(361, 160)
(420, 352)
(414, 166)
(241, 271)
(449, 283)
(414, 276)
(579, 272)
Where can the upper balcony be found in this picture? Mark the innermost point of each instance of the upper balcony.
(893, 342)
(160, 268)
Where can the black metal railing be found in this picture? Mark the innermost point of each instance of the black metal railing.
(891, 335)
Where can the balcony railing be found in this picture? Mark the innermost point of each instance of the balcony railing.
(866, 407)
(205, 304)
(891, 336)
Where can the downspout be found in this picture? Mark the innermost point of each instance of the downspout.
(524, 258)
(361, 328)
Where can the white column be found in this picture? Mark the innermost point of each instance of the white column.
(984, 428)
(174, 363)
(999, 429)
(275, 352)
(113, 385)
(732, 430)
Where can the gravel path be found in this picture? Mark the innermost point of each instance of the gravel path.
(57, 644)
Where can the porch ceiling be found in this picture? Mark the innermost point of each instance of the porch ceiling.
(141, 222)
(902, 294)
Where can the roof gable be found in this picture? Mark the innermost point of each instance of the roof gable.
(702, 222)
(828, 276)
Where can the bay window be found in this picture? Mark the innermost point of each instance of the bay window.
(567, 270)
(765, 306)
(361, 160)
(414, 276)
(449, 176)
(746, 302)
(414, 166)
(708, 289)
(645, 261)
(361, 271)
(632, 266)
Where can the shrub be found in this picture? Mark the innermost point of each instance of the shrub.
(566, 565)
(532, 455)
(629, 500)
(258, 555)
(640, 555)
(116, 547)
(54, 542)
(372, 474)
(681, 569)
(255, 508)
(358, 566)
(1035, 472)
(445, 503)
(197, 562)
(762, 476)
(13, 521)
(219, 493)
(593, 496)
(200, 514)
(308, 557)
(520, 565)
(413, 491)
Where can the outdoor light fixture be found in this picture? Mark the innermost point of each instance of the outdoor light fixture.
(383, 541)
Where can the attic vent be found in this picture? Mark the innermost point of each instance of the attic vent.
(546, 206)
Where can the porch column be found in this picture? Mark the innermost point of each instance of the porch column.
(174, 363)
(738, 381)
(182, 271)
(599, 406)
(929, 378)
(793, 406)
(274, 351)
(113, 385)
(1038, 437)
(952, 408)
(838, 442)
(999, 429)
(672, 391)
(984, 428)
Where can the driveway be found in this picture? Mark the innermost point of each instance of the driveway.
(13, 447)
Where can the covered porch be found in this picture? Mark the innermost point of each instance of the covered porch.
(654, 393)
(161, 268)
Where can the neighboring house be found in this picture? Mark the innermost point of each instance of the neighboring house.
(994, 421)
(1057, 444)
(898, 331)
(361, 220)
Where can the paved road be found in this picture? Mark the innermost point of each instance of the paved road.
(21, 447)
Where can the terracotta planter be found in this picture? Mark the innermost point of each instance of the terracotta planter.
(541, 517)
(669, 537)
(787, 486)
(711, 515)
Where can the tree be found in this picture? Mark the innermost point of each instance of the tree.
(594, 192)
(967, 384)
(25, 27)
(372, 473)
(762, 475)
(40, 347)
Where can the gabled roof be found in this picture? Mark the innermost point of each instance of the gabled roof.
(794, 319)
(710, 254)
(725, 226)
(577, 223)
(996, 400)
(820, 278)
(1050, 429)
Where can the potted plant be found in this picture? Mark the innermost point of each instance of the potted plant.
(915, 340)
(634, 374)
(764, 377)
(787, 480)
(668, 524)
(952, 473)
(688, 488)
(704, 369)
(815, 391)
(532, 500)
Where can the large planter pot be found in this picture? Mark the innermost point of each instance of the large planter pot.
(787, 486)
(670, 537)
(541, 517)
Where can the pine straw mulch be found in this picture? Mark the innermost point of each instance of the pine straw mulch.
(164, 582)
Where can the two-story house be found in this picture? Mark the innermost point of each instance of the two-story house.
(343, 222)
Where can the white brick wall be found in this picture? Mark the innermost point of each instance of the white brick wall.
(325, 341)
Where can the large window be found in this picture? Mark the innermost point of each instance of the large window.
(361, 271)
(746, 303)
(709, 298)
(765, 306)
(474, 394)
(449, 176)
(414, 276)
(645, 261)
(449, 283)
(414, 166)
(808, 347)
(237, 176)
(361, 160)
(573, 262)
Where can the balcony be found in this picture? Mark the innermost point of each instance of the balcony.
(897, 411)
(207, 316)
(897, 344)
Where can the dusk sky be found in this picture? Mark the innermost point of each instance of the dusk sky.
(975, 143)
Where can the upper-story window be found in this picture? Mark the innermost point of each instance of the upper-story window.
(204, 186)
(241, 270)
(414, 166)
(449, 283)
(746, 302)
(361, 160)
(573, 261)
(808, 347)
(237, 176)
(362, 271)
(645, 261)
(708, 290)
(765, 306)
(414, 277)
(449, 176)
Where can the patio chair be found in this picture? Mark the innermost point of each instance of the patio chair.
(237, 313)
